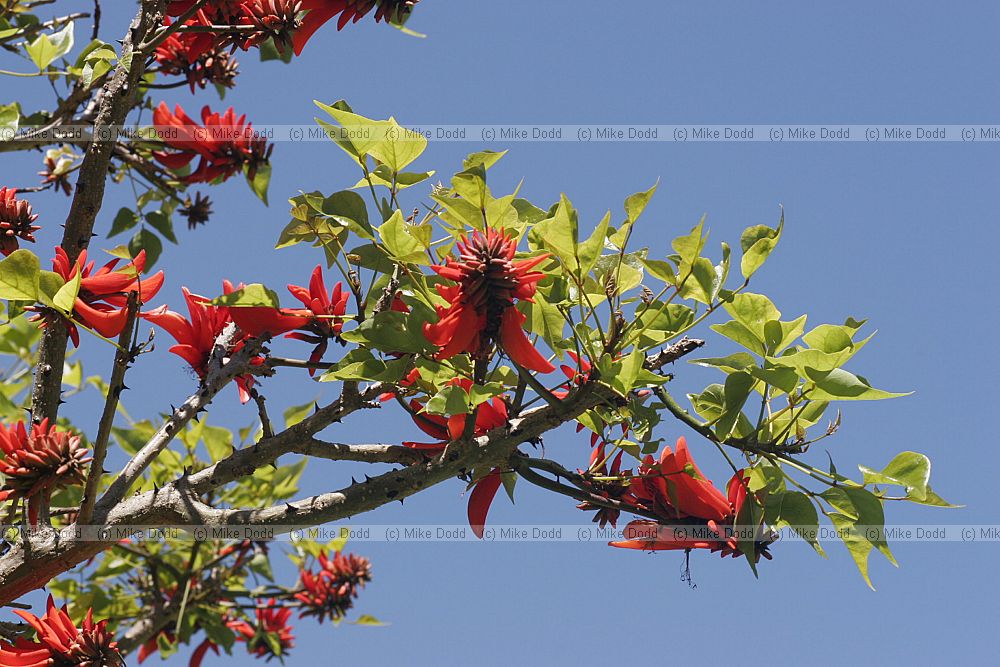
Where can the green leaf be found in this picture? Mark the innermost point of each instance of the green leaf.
(148, 241)
(451, 400)
(856, 544)
(10, 117)
(558, 234)
(907, 469)
(253, 295)
(389, 331)
(796, 511)
(734, 362)
(398, 146)
(19, 276)
(124, 220)
(752, 311)
(589, 251)
(484, 159)
(841, 502)
(735, 393)
(757, 243)
(356, 134)
(161, 222)
(400, 242)
(368, 619)
(349, 208)
(661, 269)
(297, 413)
(841, 385)
(66, 296)
(738, 333)
(689, 248)
(636, 203)
(260, 181)
(46, 48)
(358, 364)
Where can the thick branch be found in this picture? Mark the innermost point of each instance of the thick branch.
(32, 563)
(116, 102)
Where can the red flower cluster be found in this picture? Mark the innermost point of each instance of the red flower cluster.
(223, 143)
(37, 462)
(330, 592)
(60, 642)
(272, 630)
(101, 303)
(480, 314)
(674, 488)
(16, 221)
(196, 337)
(328, 311)
(195, 57)
(323, 318)
(492, 414)
(322, 11)
(279, 19)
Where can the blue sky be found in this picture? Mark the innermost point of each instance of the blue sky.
(900, 233)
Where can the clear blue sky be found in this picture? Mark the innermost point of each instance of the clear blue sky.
(900, 233)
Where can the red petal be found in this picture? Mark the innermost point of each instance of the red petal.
(516, 343)
(480, 500)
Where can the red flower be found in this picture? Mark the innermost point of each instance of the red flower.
(481, 312)
(257, 321)
(714, 535)
(576, 376)
(196, 57)
(16, 221)
(224, 143)
(196, 337)
(101, 303)
(674, 488)
(60, 642)
(328, 311)
(37, 462)
(492, 414)
(330, 592)
(481, 499)
(321, 11)
(651, 536)
(272, 622)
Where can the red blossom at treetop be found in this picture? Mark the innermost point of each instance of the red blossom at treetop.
(223, 143)
(16, 221)
(272, 630)
(60, 642)
(480, 314)
(195, 56)
(101, 303)
(322, 11)
(37, 462)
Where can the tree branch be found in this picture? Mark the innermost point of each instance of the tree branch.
(123, 357)
(219, 374)
(116, 102)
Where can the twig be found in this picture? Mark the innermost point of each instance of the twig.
(123, 357)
